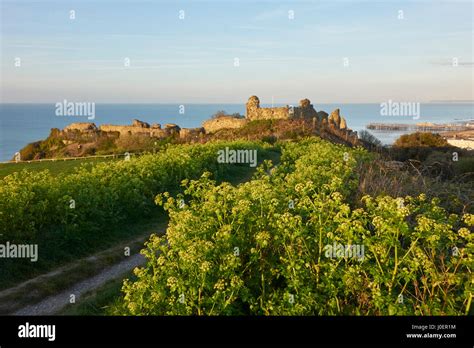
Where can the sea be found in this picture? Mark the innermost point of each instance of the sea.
(21, 124)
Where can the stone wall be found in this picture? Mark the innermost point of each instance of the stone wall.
(191, 133)
(255, 112)
(334, 123)
(223, 122)
(137, 128)
(124, 130)
(304, 110)
(142, 128)
(81, 126)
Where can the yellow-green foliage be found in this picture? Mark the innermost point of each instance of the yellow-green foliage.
(34, 204)
(261, 248)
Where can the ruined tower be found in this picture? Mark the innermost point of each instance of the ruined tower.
(253, 104)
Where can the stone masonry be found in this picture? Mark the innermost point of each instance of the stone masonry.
(333, 123)
(255, 112)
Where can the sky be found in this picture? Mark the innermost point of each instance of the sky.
(329, 51)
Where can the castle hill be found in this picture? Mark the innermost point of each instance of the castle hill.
(80, 139)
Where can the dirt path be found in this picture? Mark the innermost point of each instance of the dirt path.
(55, 303)
(48, 293)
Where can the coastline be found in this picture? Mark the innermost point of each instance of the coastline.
(26, 123)
(462, 139)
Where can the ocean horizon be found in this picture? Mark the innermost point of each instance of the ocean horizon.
(23, 123)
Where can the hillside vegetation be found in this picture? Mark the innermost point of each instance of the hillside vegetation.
(328, 229)
(282, 244)
(73, 213)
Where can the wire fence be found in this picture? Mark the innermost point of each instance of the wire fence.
(75, 158)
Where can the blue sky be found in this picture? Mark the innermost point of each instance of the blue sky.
(191, 60)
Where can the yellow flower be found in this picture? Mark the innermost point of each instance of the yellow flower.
(220, 285)
(172, 282)
(262, 238)
(205, 266)
(464, 232)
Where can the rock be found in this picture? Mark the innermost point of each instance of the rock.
(252, 107)
(81, 126)
(343, 124)
(156, 126)
(158, 133)
(322, 115)
(224, 122)
(172, 128)
(141, 124)
(305, 103)
(253, 101)
(190, 132)
(335, 118)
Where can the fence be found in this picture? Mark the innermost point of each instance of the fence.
(76, 158)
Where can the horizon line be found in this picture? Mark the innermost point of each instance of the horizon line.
(228, 103)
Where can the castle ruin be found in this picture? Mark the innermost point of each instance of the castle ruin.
(322, 122)
(255, 112)
(334, 122)
(138, 127)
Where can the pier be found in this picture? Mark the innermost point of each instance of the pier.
(424, 127)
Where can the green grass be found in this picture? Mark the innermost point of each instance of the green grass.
(55, 167)
(58, 167)
(55, 255)
(99, 301)
(14, 271)
(76, 272)
(242, 172)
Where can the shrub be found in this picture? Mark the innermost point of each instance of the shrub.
(270, 139)
(247, 250)
(36, 204)
(222, 113)
(29, 151)
(464, 165)
(421, 139)
(369, 138)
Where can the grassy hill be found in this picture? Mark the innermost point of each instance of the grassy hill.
(54, 167)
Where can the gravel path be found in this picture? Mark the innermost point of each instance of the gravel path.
(53, 304)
